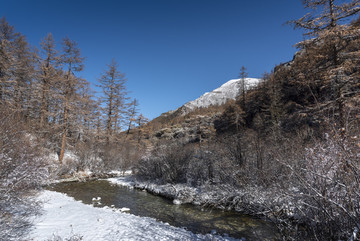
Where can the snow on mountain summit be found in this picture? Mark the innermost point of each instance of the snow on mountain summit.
(229, 90)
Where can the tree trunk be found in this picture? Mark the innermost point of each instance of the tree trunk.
(63, 139)
(43, 105)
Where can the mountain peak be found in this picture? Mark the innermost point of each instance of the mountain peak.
(219, 96)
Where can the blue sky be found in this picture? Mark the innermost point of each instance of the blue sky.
(172, 51)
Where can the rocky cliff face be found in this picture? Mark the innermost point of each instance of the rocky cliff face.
(192, 130)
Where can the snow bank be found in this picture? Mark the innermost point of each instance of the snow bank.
(63, 216)
(179, 193)
(252, 200)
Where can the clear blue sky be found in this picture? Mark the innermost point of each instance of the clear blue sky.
(172, 51)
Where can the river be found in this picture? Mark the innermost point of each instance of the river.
(194, 218)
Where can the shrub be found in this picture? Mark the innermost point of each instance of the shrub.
(22, 170)
(166, 163)
(328, 200)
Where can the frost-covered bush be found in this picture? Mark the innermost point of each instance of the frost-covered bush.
(329, 184)
(88, 154)
(193, 164)
(211, 165)
(116, 156)
(22, 170)
(200, 170)
(168, 164)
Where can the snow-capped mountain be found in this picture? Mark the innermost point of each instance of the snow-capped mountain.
(219, 96)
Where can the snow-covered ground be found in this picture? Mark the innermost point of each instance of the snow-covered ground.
(65, 217)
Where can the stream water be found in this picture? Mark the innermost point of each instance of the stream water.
(194, 218)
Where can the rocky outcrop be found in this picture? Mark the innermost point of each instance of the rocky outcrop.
(192, 130)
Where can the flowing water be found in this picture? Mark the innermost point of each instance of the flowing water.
(194, 218)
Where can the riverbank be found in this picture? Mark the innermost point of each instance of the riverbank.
(64, 218)
(267, 203)
(264, 203)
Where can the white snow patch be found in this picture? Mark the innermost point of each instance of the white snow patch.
(121, 173)
(124, 209)
(122, 181)
(177, 202)
(63, 216)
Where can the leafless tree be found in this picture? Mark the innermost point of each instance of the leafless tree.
(73, 62)
(112, 83)
(243, 86)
